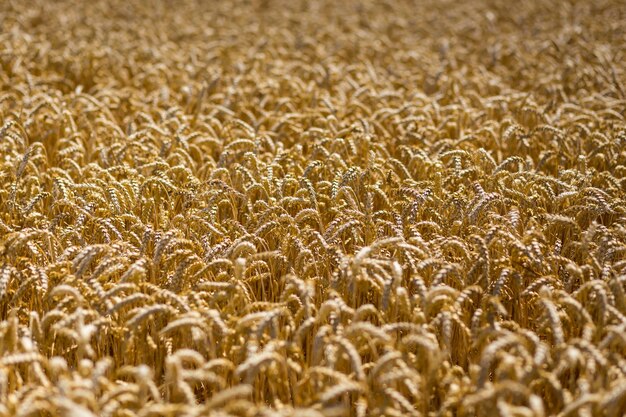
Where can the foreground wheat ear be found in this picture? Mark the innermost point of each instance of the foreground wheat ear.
(312, 208)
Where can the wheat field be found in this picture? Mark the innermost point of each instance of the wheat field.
(312, 208)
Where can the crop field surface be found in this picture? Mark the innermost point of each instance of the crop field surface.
(312, 208)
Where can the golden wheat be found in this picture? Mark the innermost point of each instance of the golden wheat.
(312, 208)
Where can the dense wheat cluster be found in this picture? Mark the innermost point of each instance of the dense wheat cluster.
(313, 208)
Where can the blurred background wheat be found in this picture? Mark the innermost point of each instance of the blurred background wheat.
(272, 208)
